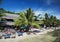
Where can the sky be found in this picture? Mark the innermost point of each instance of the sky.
(52, 7)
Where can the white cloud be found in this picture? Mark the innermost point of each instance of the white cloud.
(42, 12)
(49, 11)
(58, 16)
(39, 11)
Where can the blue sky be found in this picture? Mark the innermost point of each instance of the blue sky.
(39, 6)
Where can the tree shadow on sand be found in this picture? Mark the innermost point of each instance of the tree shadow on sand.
(56, 34)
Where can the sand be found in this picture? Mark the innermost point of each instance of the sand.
(18, 38)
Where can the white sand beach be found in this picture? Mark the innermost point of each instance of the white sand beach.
(18, 38)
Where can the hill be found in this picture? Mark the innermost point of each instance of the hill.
(4, 11)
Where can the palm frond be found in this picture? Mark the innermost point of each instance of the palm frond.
(35, 24)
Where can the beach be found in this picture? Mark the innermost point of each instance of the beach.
(25, 36)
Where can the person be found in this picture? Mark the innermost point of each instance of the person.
(44, 26)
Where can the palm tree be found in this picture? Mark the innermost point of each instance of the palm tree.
(50, 20)
(1, 14)
(58, 22)
(53, 20)
(46, 19)
(27, 19)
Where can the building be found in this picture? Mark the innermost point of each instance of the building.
(8, 20)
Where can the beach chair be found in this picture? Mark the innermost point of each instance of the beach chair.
(20, 33)
(0, 37)
(13, 36)
(7, 35)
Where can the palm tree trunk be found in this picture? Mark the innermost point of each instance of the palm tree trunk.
(16, 28)
(28, 27)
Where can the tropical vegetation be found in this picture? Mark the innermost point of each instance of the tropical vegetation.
(51, 21)
(27, 18)
(5, 11)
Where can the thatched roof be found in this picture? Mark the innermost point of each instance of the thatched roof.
(10, 16)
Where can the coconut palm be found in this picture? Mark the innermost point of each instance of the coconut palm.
(1, 13)
(51, 20)
(58, 22)
(27, 18)
(46, 19)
